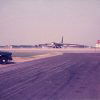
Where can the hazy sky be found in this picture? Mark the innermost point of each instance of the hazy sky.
(40, 21)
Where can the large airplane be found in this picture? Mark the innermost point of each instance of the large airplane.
(61, 45)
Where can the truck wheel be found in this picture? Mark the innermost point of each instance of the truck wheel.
(3, 60)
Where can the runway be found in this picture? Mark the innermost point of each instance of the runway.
(71, 76)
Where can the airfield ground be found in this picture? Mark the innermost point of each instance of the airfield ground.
(73, 75)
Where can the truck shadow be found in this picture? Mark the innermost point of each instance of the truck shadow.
(7, 63)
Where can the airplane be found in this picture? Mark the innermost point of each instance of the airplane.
(61, 45)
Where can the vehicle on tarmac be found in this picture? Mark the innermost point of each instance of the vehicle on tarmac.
(5, 57)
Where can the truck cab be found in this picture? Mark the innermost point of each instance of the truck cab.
(5, 57)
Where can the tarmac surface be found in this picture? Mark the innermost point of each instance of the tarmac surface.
(71, 76)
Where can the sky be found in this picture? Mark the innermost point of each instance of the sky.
(44, 21)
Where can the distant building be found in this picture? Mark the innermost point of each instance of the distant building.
(22, 46)
(98, 44)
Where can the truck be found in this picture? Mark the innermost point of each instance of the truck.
(5, 57)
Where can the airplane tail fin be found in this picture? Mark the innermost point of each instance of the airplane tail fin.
(62, 40)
